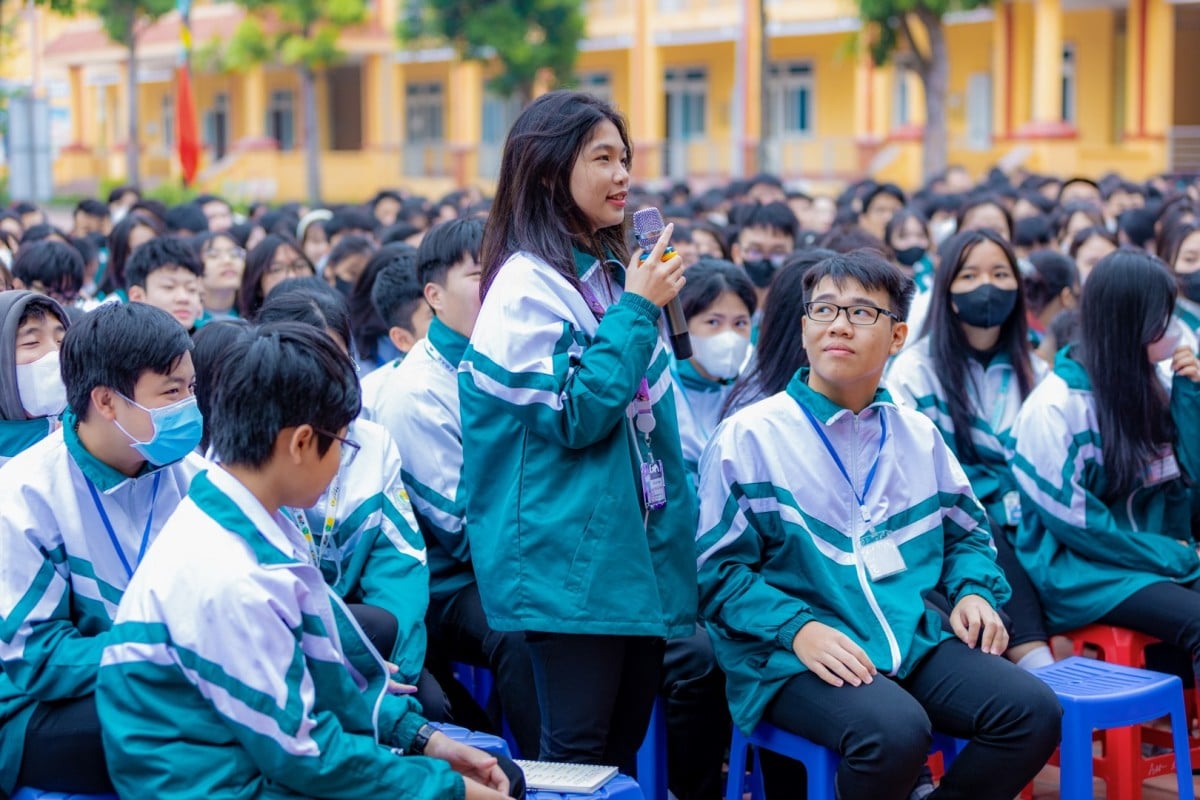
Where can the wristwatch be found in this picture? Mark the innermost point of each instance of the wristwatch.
(421, 740)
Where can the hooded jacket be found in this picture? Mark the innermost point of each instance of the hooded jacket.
(17, 432)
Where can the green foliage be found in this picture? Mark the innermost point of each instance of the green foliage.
(118, 17)
(526, 36)
(885, 17)
(294, 32)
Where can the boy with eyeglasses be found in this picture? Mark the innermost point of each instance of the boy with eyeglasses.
(826, 514)
(766, 236)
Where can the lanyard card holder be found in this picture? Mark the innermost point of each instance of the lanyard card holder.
(654, 485)
(881, 555)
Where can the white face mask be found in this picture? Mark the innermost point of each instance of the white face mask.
(722, 355)
(1164, 348)
(942, 230)
(41, 388)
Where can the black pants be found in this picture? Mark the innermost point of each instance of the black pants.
(595, 694)
(883, 729)
(381, 629)
(459, 630)
(1023, 609)
(698, 726)
(1167, 611)
(63, 751)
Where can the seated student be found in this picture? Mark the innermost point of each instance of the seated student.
(418, 404)
(766, 236)
(718, 301)
(350, 221)
(1051, 287)
(166, 273)
(32, 394)
(80, 509)
(233, 669)
(969, 372)
(217, 212)
(814, 598)
(346, 262)
(1105, 457)
(268, 264)
(51, 268)
(224, 265)
(907, 234)
(399, 300)
(185, 219)
(91, 216)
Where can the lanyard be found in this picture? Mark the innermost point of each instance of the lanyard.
(862, 499)
(644, 410)
(112, 535)
(1001, 401)
(317, 554)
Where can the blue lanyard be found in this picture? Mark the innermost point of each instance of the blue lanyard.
(861, 498)
(112, 535)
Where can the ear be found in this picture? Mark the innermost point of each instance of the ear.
(899, 337)
(735, 252)
(104, 402)
(433, 296)
(402, 339)
(302, 440)
(1068, 298)
(137, 294)
(18, 283)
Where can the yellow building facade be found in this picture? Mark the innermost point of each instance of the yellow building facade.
(712, 89)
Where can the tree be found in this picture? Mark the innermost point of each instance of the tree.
(122, 21)
(890, 24)
(526, 36)
(301, 33)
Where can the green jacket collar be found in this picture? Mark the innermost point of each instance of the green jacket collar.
(19, 435)
(449, 343)
(691, 379)
(102, 476)
(220, 496)
(583, 261)
(1067, 367)
(821, 406)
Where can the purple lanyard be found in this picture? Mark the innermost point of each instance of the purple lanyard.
(642, 397)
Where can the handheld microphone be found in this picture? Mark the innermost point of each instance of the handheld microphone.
(647, 227)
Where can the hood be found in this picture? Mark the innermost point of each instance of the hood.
(1067, 367)
(12, 307)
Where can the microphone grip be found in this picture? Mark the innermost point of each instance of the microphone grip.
(677, 330)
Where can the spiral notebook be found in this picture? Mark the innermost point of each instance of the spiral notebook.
(551, 776)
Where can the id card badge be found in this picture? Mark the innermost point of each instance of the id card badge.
(654, 485)
(1163, 468)
(881, 556)
(1012, 509)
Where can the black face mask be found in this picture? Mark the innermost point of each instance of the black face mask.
(344, 287)
(1189, 285)
(909, 256)
(761, 271)
(985, 306)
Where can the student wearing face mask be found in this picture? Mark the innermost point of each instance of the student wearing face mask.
(969, 373)
(1181, 251)
(907, 233)
(32, 395)
(1104, 457)
(719, 301)
(80, 509)
(766, 236)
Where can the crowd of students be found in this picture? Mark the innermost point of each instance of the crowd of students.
(266, 480)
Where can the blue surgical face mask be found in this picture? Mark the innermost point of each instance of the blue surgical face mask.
(177, 431)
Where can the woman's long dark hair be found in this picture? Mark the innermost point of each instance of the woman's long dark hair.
(1127, 303)
(119, 250)
(780, 349)
(533, 210)
(258, 261)
(948, 342)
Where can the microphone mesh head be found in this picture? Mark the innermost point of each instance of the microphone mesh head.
(647, 223)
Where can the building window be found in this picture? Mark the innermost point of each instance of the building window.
(168, 122)
(979, 111)
(216, 126)
(790, 98)
(1069, 86)
(687, 102)
(425, 108)
(281, 118)
(901, 99)
(598, 84)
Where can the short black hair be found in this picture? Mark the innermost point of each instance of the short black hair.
(25, 207)
(120, 191)
(211, 343)
(881, 189)
(312, 302)
(165, 251)
(280, 376)
(775, 216)
(87, 246)
(186, 217)
(92, 207)
(350, 219)
(398, 232)
(445, 245)
(39, 306)
(397, 293)
(708, 279)
(765, 179)
(353, 245)
(40, 232)
(869, 269)
(1052, 272)
(1138, 225)
(385, 194)
(1032, 232)
(114, 346)
(204, 199)
(58, 267)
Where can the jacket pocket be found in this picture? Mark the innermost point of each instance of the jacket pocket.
(579, 574)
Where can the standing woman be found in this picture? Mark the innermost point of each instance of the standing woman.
(582, 519)
(970, 372)
(1104, 456)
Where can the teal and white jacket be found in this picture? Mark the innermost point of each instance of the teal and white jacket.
(375, 554)
(60, 576)
(559, 535)
(1188, 313)
(234, 671)
(18, 435)
(781, 538)
(995, 393)
(699, 402)
(1086, 553)
(419, 406)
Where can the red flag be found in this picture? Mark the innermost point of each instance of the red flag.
(187, 132)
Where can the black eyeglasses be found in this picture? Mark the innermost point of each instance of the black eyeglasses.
(861, 315)
(353, 445)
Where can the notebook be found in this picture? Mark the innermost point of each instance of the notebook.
(551, 776)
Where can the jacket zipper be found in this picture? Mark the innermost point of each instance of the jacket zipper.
(863, 581)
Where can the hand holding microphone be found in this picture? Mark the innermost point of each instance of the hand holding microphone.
(659, 276)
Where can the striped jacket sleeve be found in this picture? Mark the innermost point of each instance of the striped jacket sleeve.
(530, 358)
(1185, 411)
(731, 542)
(1052, 463)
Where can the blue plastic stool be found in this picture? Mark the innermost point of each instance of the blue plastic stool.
(477, 681)
(820, 763)
(1101, 695)
(652, 755)
(621, 787)
(482, 741)
(26, 793)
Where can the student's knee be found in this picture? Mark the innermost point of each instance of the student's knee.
(892, 736)
(1042, 714)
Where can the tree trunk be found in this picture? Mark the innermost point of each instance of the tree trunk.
(132, 145)
(935, 78)
(312, 143)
